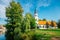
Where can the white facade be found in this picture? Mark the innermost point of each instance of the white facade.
(36, 16)
(42, 27)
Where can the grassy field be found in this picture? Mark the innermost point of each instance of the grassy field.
(45, 33)
(52, 32)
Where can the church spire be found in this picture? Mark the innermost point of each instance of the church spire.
(36, 15)
(35, 11)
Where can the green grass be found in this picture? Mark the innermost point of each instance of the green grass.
(41, 34)
(52, 32)
(45, 33)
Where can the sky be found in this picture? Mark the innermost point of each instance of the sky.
(48, 9)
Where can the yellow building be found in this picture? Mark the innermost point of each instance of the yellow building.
(43, 24)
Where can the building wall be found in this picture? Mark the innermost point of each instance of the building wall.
(44, 27)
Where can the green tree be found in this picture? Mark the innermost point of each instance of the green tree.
(58, 23)
(23, 28)
(33, 23)
(30, 21)
(14, 20)
(44, 19)
(47, 25)
(39, 20)
(27, 19)
(52, 23)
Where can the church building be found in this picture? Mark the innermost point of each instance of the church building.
(42, 24)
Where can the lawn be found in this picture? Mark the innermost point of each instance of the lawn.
(52, 32)
(47, 34)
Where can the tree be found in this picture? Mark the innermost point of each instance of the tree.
(39, 20)
(27, 20)
(14, 20)
(33, 23)
(44, 19)
(47, 25)
(52, 23)
(30, 21)
(23, 28)
(58, 23)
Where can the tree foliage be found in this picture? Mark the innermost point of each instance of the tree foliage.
(44, 19)
(47, 25)
(52, 23)
(58, 24)
(30, 21)
(14, 19)
(16, 22)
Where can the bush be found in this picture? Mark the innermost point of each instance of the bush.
(32, 35)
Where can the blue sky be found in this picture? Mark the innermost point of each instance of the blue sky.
(49, 9)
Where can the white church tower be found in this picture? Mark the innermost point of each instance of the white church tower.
(36, 16)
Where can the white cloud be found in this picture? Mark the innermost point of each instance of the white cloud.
(2, 11)
(44, 3)
(39, 3)
(27, 7)
(3, 4)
